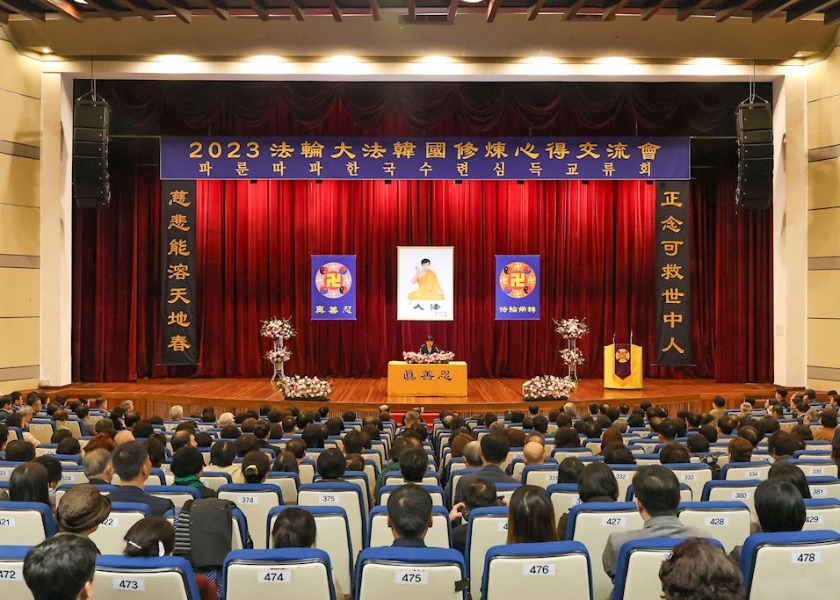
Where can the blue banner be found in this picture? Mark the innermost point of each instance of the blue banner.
(517, 287)
(333, 287)
(448, 158)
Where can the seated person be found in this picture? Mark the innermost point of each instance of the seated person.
(409, 515)
(657, 493)
(187, 465)
(531, 516)
(413, 465)
(779, 507)
(132, 465)
(480, 494)
(699, 570)
(596, 484)
(81, 509)
(154, 536)
(331, 465)
(255, 466)
(61, 567)
(429, 347)
(222, 455)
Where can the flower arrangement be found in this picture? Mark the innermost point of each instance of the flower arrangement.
(418, 358)
(547, 387)
(278, 355)
(305, 388)
(571, 328)
(276, 328)
(572, 356)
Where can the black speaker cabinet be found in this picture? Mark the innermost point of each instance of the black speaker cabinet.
(91, 183)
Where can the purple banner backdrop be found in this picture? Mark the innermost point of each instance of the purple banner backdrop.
(517, 287)
(622, 361)
(386, 158)
(333, 287)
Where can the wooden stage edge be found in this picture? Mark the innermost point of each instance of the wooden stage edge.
(156, 396)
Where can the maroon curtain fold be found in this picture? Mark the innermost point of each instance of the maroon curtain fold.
(254, 240)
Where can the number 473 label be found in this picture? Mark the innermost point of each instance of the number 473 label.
(415, 577)
(124, 584)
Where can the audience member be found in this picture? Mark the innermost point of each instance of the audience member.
(569, 470)
(657, 493)
(413, 465)
(494, 451)
(186, 466)
(255, 466)
(792, 474)
(286, 462)
(61, 568)
(673, 454)
(69, 447)
(597, 484)
(617, 454)
(779, 507)
(480, 494)
(54, 471)
(531, 516)
(740, 450)
(29, 482)
(410, 515)
(81, 509)
(98, 467)
(400, 445)
(828, 420)
(698, 570)
(132, 465)
(20, 451)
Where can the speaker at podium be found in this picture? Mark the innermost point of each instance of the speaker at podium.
(623, 367)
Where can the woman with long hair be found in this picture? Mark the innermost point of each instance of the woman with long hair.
(531, 516)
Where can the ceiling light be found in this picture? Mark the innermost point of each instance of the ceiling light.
(173, 58)
(266, 59)
(472, 1)
(80, 1)
(46, 50)
(540, 60)
(615, 60)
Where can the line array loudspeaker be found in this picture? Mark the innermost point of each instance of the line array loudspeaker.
(91, 182)
(754, 125)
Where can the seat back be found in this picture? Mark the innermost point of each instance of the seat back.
(179, 494)
(623, 477)
(410, 574)
(822, 513)
(110, 535)
(437, 493)
(42, 429)
(745, 470)
(379, 534)
(25, 523)
(727, 522)
(6, 468)
(486, 527)
(638, 566)
(12, 584)
(506, 490)
(592, 523)
(278, 573)
(824, 487)
(694, 475)
(727, 491)
(215, 479)
(539, 569)
(816, 468)
(563, 497)
(169, 577)
(255, 500)
(540, 475)
(288, 484)
(345, 495)
(73, 474)
(777, 565)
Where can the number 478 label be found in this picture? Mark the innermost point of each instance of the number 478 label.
(414, 577)
(805, 558)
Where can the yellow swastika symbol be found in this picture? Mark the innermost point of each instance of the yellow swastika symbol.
(517, 280)
(332, 280)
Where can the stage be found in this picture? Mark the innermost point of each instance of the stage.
(155, 396)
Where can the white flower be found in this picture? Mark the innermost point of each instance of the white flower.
(276, 328)
(305, 387)
(547, 387)
(276, 355)
(572, 356)
(571, 328)
(418, 358)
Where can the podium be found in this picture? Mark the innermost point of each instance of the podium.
(433, 380)
(629, 354)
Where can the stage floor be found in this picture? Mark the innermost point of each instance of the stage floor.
(367, 394)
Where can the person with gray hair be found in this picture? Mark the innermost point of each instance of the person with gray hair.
(497, 427)
(26, 413)
(570, 409)
(410, 418)
(98, 467)
(176, 413)
(472, 454)
(225, 419)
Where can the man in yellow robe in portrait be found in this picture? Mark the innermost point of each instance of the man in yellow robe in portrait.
(428, 286)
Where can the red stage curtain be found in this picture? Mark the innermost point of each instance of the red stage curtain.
(255, 240)
(254, 247)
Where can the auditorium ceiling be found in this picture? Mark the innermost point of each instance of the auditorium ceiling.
(770, 31)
